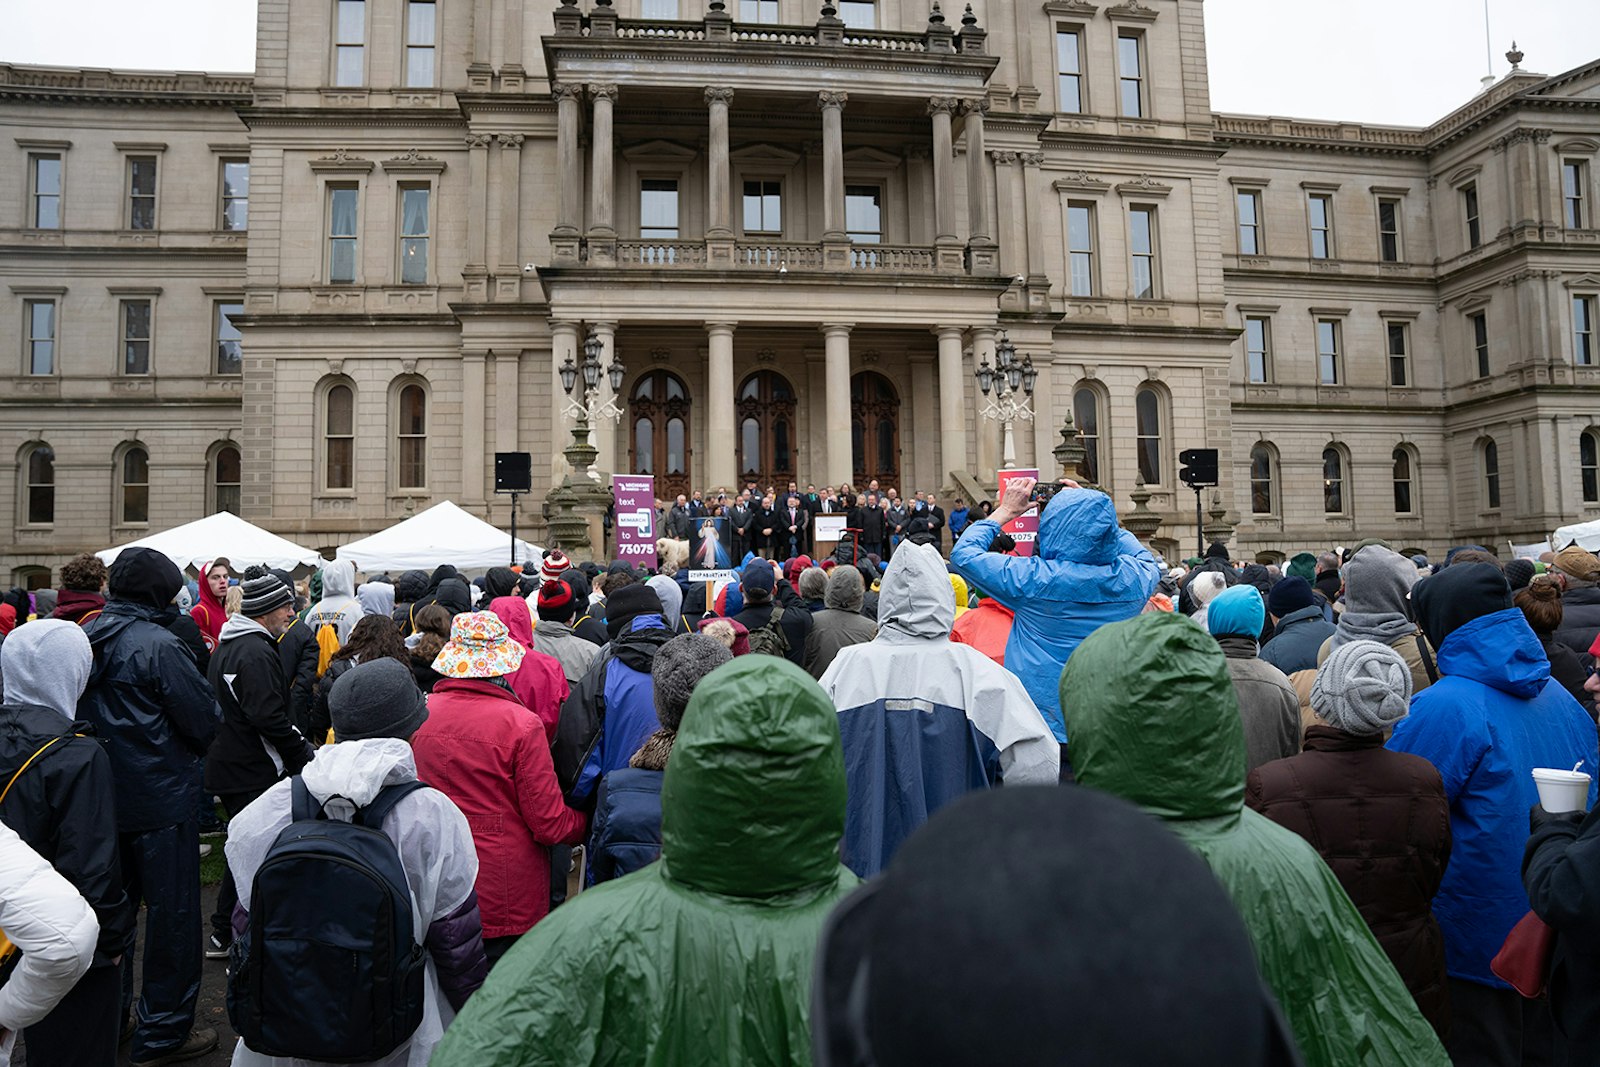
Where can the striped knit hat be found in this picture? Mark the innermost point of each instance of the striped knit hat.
(554, 566)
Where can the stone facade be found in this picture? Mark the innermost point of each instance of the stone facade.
(800, 239)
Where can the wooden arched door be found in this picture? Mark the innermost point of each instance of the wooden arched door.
(658, 419)
(875, 430)
(765, 413)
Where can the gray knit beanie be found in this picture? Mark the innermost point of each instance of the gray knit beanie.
(679, 665)
(379, 698)
(1362, 688)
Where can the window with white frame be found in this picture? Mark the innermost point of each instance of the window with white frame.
(1261, 489)
(1147, 433)
(658, 9)
(1469, 214)
(758, 11)
(1080, 248)
(1069, 70)
(235, 194)
(1479, 323)
(1258, 349)
(338, 437)
(44, 180)
(344, 202)
(422, 31)
(1489, 455)
(859, 14)
(1589, 465)
(1574, 181)
(863, 213)
(141, 192)
(1249, 208)
(1333, 479)
(229, 359)
(1583, 350)
(1130, 74)
(411, 438)
(1404, 498)
(1319, 209)
(1389, 229)
(1142, 252)
(1329, 352)
(1398, 335)
(763, 207)
(415, 230)
(39, 336)
(658, 209)
(350, 43)
(134, 487)
(135, 342)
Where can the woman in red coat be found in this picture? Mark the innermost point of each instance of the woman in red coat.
(539, 681)
(488, 753)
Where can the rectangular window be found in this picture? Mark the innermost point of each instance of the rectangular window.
(1469, 211)
(1257, 349)
(414, 232)
(421, 36)
(136, 337)
(659, 9)
(1142, 247)
(1574, 176)
(228, 337)
(343, 202)
(1389, 230)
(863, 213)
(1069, 71)
(45, 175)
(859, 14)
(141, 192)
(1130, 74)
(1080, 248)
(235, 194)
(1480, 342)
(758, 11)
(1320, 208)
(1399, 354)
(1249, 202)
(1328, 351)
(763, 207)
(658, 209)
(1583, 353)
(350, 43)
(39, 340)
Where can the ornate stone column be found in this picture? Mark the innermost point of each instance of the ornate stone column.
(1034, 231)
(475, 273)
(947, 243)
(569, 172)
(602, 179)
(952, 405)
(719, 193)
(836, 242)
(474, 396)
(1010, 230)
(980, 242)
(605, 431)
(508, 273)
(480, 73)
(721, 469)
(563, 345)
(989, 431)
(836, 373)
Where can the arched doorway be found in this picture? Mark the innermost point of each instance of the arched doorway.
(658, 417)
(875, 430)
(765, 408)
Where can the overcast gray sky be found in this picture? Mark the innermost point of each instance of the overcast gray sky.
(1406, 62)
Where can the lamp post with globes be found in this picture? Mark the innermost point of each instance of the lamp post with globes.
(582, 488)
(1011, 381)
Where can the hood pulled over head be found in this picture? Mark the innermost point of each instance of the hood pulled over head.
(915, 597)
(144, 576)
(46, 663)
(1079, 526)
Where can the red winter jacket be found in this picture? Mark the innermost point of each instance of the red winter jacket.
(209, 613)
(488, 754)
(540, 683)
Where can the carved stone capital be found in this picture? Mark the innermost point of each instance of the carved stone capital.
(478, 140)
(566, 91)
(827, 99)
(509, 140)
(602, 91)
(1003, 157)
(719, 94)
(943, 105)
(975, 105)
(1031, 159)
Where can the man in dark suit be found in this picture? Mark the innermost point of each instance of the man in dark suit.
(738, 527)
(936, 516)
(795, 523)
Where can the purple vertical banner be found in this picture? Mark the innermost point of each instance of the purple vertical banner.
(634, 518)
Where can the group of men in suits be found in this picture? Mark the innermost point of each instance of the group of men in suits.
(778, 525)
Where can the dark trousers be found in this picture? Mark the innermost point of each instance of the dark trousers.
(161, 869)
(82, 1030)
(1492, 1027)
(227, 892)
(495, 947)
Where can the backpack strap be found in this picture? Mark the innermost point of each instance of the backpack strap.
(1427, 658)
(302, 805)
(372, 815)
(29, 763)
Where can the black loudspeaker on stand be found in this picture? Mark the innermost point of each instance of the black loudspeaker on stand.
(513, 473)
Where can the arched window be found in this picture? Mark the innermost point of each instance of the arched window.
(1589, 465)
(411, 438)
(766, 412)
(135, 486)
(226, 476)
(1333, 496)
(659, 410)
(1261, 493)
(1490, 454)
(339, 437)
(1405, 501)
(1147, 433)
(40, 471)
(1086, 414)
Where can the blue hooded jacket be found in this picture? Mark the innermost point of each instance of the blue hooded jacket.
(1087, 571)
(1485, 724)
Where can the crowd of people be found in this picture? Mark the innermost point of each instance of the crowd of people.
(572, 813)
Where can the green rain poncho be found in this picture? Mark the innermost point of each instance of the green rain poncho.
(1151, 716)
(705, 957)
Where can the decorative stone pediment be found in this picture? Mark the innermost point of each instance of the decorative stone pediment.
(1132, 9)
(1144, 185)
(872, 156)
(1070, 9)
(1578, 146)
(1081, 182)
(660, 151)
(412, 161)
(1583, 281)
(764, 154)
(340, 160)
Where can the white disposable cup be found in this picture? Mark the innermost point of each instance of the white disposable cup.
(1561, 790)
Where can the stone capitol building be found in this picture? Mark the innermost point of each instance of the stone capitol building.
(324, 294)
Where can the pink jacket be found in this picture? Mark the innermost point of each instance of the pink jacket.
(539, 683)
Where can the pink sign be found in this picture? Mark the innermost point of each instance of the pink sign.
(1024, 530)
(634, 518)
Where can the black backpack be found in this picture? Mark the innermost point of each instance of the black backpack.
(329, 967)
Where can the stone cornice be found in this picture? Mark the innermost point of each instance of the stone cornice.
(131, 87)
(345, 117)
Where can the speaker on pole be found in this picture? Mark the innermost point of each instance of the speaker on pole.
(513, 472)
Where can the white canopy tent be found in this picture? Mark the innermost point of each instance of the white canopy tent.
(442, 534)
(1585, 535)
(222, 534)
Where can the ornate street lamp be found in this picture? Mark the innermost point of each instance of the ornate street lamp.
(1009, 378)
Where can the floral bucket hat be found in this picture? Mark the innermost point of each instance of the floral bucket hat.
(480, 646)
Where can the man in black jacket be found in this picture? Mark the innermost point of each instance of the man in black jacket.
(874, 527)
(63, 805)
(157, 716)
(298, 652)
(764, 594)
(258, 742)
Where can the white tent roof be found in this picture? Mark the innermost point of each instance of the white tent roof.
(442, 534)
(222, 534)
(1585, 534)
